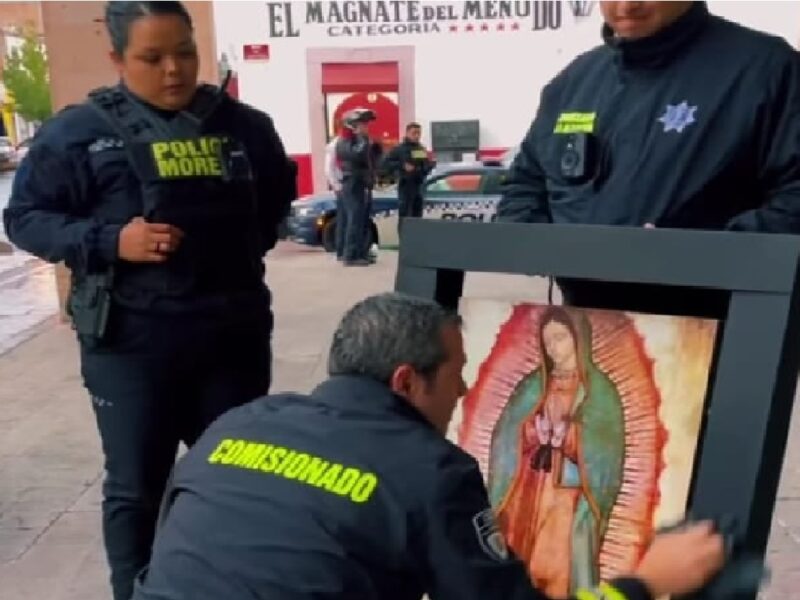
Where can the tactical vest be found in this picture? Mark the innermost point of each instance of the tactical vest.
(195, 180)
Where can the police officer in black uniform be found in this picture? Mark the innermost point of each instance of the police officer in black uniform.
(358, 158)
(680, 120)
(409, 163)
(354, 491)
(162, 198)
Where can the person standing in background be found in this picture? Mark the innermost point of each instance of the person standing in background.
(333, 175)
(409, 163)
(357, 156)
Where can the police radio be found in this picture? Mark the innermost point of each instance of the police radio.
(578, 157)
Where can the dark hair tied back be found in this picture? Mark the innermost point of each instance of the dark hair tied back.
(119, 16)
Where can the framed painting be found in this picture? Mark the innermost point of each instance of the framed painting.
(585, 424)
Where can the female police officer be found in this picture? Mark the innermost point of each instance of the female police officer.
(162, 197)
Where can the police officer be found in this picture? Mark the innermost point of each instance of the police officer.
(354, 491)
(680, 120)
(358, 157)
(409, 163)
(162, 198)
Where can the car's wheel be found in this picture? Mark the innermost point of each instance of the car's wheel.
(329, 235)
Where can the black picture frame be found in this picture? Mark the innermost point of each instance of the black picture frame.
(757, 355)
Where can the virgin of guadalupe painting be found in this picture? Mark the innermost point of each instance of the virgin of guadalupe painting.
(585, 425)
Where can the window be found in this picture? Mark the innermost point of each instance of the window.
(456, 183)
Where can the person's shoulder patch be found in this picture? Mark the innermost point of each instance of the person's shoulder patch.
(489, 535)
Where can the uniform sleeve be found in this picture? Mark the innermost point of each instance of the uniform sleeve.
(524, 198)
(778, 151)
(47, 214)
(466, 556)
(277, 185)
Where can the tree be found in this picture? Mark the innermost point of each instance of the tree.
(26, 78)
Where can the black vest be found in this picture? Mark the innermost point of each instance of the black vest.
(193, 179)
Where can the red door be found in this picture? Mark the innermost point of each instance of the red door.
(386, 127)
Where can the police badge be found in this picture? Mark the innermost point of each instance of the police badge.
(489, 536)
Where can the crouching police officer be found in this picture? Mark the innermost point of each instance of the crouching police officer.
(162, 198)
(354, 491)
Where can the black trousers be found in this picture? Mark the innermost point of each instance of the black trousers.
(356, 198)
(156, 382)
(410, 202)
(341, 224)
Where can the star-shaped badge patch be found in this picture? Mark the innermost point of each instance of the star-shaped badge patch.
(678, 117)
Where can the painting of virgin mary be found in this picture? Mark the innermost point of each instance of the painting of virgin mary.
(557, 457)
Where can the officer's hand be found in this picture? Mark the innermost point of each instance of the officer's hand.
(409, 168)
(140, 241)
(682, 561)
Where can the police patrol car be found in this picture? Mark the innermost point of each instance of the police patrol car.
(462, 191)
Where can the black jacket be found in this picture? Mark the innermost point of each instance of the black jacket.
(696, 127)
(76, 189)
(346, 494)
(358, 158)
(408, 152)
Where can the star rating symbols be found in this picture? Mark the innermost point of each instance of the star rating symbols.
(678, 117)
(485, 27)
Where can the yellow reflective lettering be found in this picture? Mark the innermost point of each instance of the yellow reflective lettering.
(249, 456)
(178, 149)
(168, 168)
(331, 475)
(313, 471)
(220, 450)
(262, 461)
(278, 452)
(192, 149)
(285, 462)
(346, 481)
(214, 145)
(160, 149)
(187, 167)
(298, 464)
(214, 166)
(201, 166)
(363, 488)
(233, 453)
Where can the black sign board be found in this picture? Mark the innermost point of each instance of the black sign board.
(455, 136)
(754, 375)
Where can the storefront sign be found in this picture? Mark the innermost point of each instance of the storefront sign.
(403, 17)
(256, 52)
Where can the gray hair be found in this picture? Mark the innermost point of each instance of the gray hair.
(385, 331)
(119, 16)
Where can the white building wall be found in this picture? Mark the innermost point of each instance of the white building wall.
(492, 76)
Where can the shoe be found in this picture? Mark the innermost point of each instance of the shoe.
(359, 262)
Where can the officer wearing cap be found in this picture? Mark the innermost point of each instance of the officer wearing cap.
(162, 198)
(354, 491)
(680, 120)
(358, 156)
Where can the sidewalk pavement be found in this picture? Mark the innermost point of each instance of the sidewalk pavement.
(50, 461)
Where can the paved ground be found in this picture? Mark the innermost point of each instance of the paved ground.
(50, 465)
